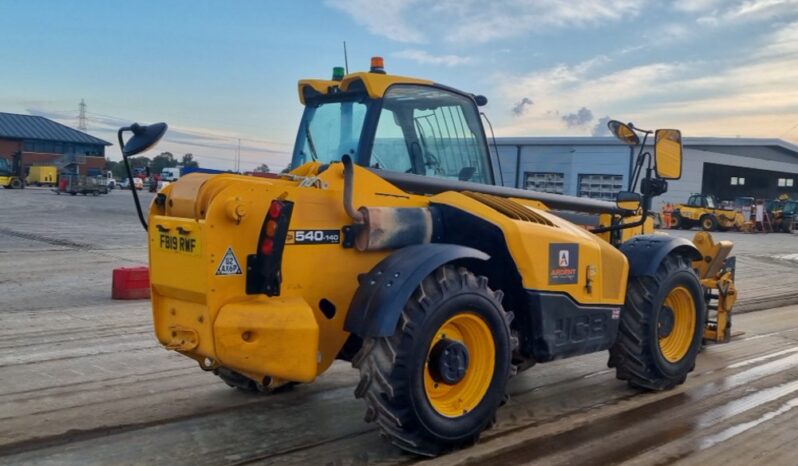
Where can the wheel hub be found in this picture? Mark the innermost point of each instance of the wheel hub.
(665, 322)
(448, 361)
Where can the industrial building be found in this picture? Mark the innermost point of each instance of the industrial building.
(45, 142)
(599, 167)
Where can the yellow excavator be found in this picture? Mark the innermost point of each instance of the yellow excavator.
(390, 244)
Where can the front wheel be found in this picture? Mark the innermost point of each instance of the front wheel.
(661, 327)
(709, 223)
(436, 384)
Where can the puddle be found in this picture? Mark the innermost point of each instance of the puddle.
(734, 431)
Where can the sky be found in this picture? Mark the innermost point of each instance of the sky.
(223, 74)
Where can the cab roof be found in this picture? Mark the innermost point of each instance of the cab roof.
(374, 84)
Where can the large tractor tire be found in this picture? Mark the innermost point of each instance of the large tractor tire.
(680, 223)
(661, 327)
(708, 222)
(436, 384)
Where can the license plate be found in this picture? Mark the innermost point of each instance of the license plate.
(184, 244)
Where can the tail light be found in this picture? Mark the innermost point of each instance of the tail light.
(263, 267)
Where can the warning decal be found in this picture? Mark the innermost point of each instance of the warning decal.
(229, 264)
(563, 263)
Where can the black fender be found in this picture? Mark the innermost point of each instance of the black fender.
(384, 290)
(646, 252)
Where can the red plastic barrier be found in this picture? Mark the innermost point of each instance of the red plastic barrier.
(131, 283)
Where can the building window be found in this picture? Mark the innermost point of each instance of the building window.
(600, 186)
(734, 181)
(546, 182)
(785, 182)
(742, 181)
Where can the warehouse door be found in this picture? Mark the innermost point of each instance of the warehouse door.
(727, 182)
(546, 182)
(600, 186)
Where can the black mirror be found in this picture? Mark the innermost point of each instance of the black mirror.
(623, 132)
(144, 137)
(481, 100)
(629, 201)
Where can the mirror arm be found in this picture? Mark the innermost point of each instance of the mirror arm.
(130, 177)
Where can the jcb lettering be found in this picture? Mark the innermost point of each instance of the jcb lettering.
(578, 329)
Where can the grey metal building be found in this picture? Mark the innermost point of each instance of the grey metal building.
(599, 167)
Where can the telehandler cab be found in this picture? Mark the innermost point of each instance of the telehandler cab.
(391, 245)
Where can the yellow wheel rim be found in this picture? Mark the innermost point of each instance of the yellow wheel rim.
(677, 343)
(463, 396)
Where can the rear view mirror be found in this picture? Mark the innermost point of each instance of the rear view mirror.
(629, 201)
(143, 138)
(668, 154)
(623, 132)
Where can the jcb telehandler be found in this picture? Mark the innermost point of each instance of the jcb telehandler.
(703, 210)
(390, 245)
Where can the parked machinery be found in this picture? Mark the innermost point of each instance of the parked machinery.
(703, 210)
(389, 245)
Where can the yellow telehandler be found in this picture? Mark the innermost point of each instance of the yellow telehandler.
(391, 245)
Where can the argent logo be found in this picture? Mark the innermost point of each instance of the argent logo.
(564, 260)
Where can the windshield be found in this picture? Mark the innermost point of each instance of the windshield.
(328, 131)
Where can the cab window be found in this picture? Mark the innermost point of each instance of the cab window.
(440, 133)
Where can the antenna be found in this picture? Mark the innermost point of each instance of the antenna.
(82, 124)
(346, 59)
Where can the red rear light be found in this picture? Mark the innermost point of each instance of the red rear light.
(267, 246)
(275, 209)
(264, 267)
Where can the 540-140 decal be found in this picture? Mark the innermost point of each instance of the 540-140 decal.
(313, 237)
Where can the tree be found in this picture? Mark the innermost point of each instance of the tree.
(188, 161)
(161, 161)
(262, 168)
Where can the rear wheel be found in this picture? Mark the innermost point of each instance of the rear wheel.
(709, 223)
(16, 183)
(661, 327)
(436, 384)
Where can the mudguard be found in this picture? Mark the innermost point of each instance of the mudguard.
(646, 252)
(383, 291)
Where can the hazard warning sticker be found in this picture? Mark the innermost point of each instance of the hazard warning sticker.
(563, 263)
(229, 264)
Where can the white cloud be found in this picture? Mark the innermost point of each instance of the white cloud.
(748, 10)
(478, 21)
(692, 6)
(388, 18)
(753, 94)
(426, 58)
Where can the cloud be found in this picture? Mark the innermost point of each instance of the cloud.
(477, 21)
(582, 117)
(600, 128)
(751, 94)
(692, 6)
(387, 18)
(520, 107)
(426, 58)
(746, 11)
